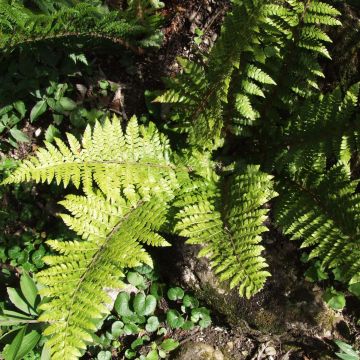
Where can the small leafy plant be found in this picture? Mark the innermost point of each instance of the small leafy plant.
(145, 315)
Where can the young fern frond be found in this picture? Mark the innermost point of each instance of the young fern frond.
(230, 236)
(133, 164)
(321, 208)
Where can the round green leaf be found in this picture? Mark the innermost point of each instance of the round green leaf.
(188, 325)
(174, 319)
(144, 305)
(117, 329)
(104, 355)
(121, 304)
(175, 293)
(135, 279)
(190, 301)
(152, 324)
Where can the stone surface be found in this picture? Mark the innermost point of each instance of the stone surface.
(287, 303)
(198, 351)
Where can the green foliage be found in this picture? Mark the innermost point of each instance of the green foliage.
(346, 351)
(204, 220)
(133, 188)
(259, 42)
(130, 324)
(79, 21)
(22, 321)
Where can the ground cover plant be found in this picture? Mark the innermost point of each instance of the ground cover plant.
(250, 137)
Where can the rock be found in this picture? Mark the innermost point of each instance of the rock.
(270, 351)
(198, 351)
(287, 303)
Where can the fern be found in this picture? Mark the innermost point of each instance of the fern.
(79, 23)
(141, 168)
(230, 236)
(128, 180)
(322, 209)
(260, 42)
(200, 94)
(76, 280)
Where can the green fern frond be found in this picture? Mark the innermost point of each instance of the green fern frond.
(321, 208)
(322, 127)
(78, 23)
(199, 95)
(128, 180)
(131, 164)
(230, 236)
(76, 281)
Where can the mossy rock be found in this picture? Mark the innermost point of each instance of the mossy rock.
(287, 301)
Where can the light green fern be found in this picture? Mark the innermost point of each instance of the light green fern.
(228, 223)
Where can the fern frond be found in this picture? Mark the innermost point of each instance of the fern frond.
(230, 236)
(131, 164)
(77, 279)
(321, 208)
(199, 95)
(78, 23)
(321, 126)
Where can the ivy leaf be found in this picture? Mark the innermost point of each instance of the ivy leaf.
(38, 109)
(174, 319)
(144, 305)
